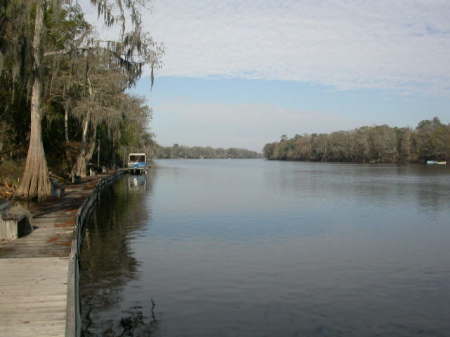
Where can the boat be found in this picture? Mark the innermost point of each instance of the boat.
(436, 162)
(137, 163)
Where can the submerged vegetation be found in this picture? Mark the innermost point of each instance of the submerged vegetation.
(430, 140)
(199, 152)
(63, 90)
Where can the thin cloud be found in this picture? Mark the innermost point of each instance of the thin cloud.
(402, 44)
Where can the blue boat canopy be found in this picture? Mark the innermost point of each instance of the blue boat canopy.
(137, 160)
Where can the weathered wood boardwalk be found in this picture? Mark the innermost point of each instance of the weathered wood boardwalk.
(33, 293)
(34, 269)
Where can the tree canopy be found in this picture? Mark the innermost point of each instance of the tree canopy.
(430, 140)
(64, 92)
(200, 152)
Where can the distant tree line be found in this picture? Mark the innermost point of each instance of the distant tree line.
(198, 152)
(430, 140)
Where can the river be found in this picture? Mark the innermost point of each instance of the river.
(252, 248)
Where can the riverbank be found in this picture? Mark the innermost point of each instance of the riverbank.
(38, 286)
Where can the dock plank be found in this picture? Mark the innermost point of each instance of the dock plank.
(34, 269)
(33, 296)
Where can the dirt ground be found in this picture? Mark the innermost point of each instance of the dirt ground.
(10, 173)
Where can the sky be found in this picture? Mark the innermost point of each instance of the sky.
(241, 73)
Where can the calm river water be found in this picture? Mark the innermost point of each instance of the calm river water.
(259, 248)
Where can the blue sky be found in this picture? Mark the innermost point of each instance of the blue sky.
(243, 72)
(249, 113)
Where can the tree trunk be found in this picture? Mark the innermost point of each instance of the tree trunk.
(84, 157)
(87, 148)
(66, 122)
(98, 155)
(91, 148)
(35, 181)
(68, 160)
(80, 165)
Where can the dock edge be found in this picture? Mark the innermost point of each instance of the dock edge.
(73, 314)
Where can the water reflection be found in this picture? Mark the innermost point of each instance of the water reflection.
(427, 187)
(138, 183)
(254, 248)
(107, 260)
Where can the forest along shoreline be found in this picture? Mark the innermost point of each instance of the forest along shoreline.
(39, 270)
(428, 142)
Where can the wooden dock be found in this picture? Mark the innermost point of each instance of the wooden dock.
(33, 295)
(35, 277)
